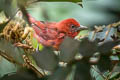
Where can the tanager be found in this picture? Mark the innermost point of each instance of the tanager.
(53, 33)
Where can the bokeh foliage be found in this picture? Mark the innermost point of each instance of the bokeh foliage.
(94, 56)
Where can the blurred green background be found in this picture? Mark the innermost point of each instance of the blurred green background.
(94, 12)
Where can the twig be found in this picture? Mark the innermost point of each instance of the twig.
(31, 66)
(23, 45)
(93, 36)
(107, 32)
(116, 24)
(97, 29)
(9, 58)
(100, 28)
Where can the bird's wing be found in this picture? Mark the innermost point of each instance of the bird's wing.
(50, 25)
(35, 22)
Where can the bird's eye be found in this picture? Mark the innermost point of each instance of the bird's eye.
(73, 26)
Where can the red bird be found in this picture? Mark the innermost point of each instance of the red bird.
(53, 33)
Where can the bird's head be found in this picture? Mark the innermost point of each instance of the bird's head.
(70, 27)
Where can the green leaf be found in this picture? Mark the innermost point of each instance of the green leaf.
(107, 64)
(12, 51)
(95, 74)
(61, 73)
(21, 75)
(35, 44)
(6, 67)
(68, 49)
(106, 47)
(46, 59)
(82, 71)
(9, 7)
(115, 76)
(3, 25)
(87, 48)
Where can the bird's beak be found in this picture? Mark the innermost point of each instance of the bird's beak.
(82, 28)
